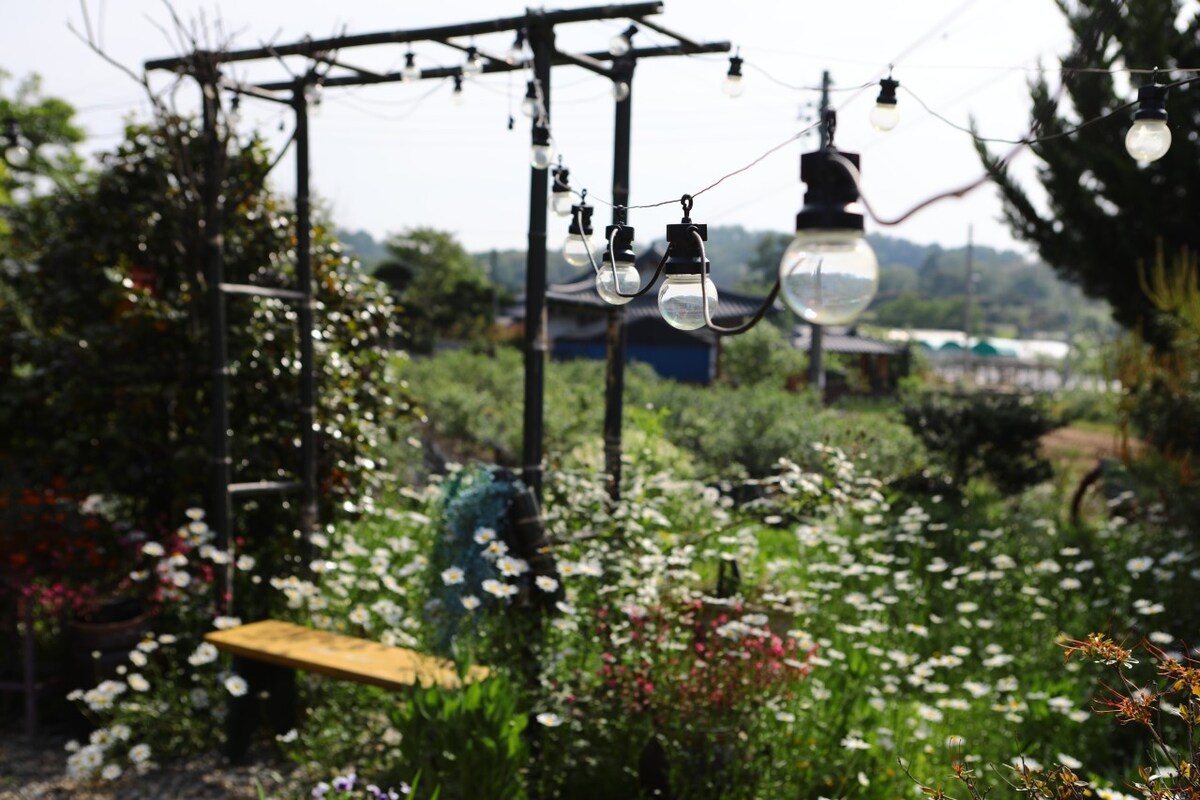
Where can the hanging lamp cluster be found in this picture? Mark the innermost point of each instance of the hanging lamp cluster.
(1148, 139)
(828, 274)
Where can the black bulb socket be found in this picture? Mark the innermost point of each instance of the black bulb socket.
(562, 179)
(541, 135)
(887, 91)
(621, 237)
(1152, 102)
(831, 188)
(581, 220)
(735, 66)
(686, 257)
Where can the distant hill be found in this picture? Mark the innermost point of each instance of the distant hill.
(920, 285)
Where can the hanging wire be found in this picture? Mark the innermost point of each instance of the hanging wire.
(734, 330)
(718, 181)
(412, 105)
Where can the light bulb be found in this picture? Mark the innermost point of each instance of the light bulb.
(733, 86)
(576, 249)
(1148, 139)
(529, 106)
(541, 155)
(456, 97)
(614, 290)
(561, 202)
(884, 116)
(620, 91)
(828, 276)
(619, 45)
(681, 301)
(473, 65)
(515, 55)
(410, 72)
(17, 155)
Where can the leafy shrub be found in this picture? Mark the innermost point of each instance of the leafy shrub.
(1161, 401)
(722, 431)
(984, 435)
(105, 379)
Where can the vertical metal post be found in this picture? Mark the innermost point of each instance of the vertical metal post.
(614, 339)
(308, 411)
(816, 346)
(541, 41)
(220, 511)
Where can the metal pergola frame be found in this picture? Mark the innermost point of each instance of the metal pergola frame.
(538, 27)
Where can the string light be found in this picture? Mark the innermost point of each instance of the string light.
(884, 116)
(618, 280)
(560, 195)
(456, 97)
(577, 247)
(621, 91)
(622, 43)
(541, 154)
(1149, 138)
(473, 66)
(410, 72)
(829, 274)
(532, 102)
(733, 85)
(516, 53)
(688, 296)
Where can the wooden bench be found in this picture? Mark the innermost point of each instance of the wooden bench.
(267, 653)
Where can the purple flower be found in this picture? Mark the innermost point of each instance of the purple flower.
(321, 789)
(344, 783)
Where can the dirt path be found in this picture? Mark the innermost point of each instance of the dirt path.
(1081, 444)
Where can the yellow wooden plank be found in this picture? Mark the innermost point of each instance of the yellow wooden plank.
(337, 656)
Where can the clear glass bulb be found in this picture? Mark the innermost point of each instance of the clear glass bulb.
(576, 249)
(561, 202)
(410, 73)
(681, 302)
(540, 155)
(884, 116)
(472, 67)
(1148, 139)
(529, 106)
(828, 276)
(457, 97)
(627, 281)
(618, 45)
(620, 91)
(17, 155)
(733, 86)
(515, 55)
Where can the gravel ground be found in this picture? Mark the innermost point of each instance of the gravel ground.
(35, 770)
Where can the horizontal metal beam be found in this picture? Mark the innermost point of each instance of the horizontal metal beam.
(311, 47)
(497, 67)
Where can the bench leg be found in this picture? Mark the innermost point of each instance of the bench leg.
(278, 684)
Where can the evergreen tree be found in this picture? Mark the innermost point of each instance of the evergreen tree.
(1108, 215)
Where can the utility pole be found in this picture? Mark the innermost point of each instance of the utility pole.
(969, 292)
(816, 355)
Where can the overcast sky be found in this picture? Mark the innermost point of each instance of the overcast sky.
(389, 157)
